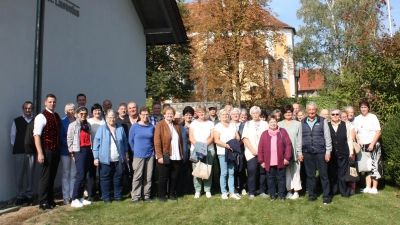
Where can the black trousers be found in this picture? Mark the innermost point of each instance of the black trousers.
(91, 181)
(256, 171)
(240, 177)
(82, 161)
(168, 172)
(312, 162)
(337, 172)
(48, 173)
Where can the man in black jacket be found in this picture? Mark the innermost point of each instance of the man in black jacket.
(24, 158)
(314, 148)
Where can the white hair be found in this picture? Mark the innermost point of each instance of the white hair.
(178, 114)
(242, 110)
(255, 108)
(112, 112)
(222, 111)
(235, 110)
(68, 106)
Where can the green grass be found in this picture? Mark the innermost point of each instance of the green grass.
(383, 208)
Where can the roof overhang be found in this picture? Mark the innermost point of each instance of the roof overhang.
(162, 22)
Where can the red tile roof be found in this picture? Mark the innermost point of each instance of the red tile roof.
(311, 80)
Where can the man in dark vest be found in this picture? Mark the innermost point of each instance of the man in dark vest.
(24, 158)
(314, 148)
(47, 141)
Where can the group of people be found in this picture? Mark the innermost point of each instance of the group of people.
(269, 154)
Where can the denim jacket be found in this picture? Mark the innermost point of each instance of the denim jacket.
(101, 144)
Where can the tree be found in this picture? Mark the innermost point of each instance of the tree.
(167, 72)
(231, 40)
(335, 32)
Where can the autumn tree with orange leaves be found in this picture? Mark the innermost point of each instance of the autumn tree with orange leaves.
(231, 41)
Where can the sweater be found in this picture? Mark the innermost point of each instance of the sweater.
(141, 140)
(102, 143)
(63, 136)
(264, 149)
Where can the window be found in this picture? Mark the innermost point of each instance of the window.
(280, 68)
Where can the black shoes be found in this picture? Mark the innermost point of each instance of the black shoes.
(91, 199)
(282, 199)
(148, 200)
(273, 198)
(118, 200)
(107, 202)
(162, 199)
(19, 202)
(29, 201)
(327, 201)
(44, 206)
(311, 199)
(173, 198)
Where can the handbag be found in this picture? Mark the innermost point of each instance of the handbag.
(202, 170)
(351, 175)
(166, 159)
(364, 161)
(356, 146)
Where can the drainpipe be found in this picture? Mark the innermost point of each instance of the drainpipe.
(37, 75)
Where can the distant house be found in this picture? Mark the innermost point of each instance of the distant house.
(310, 82)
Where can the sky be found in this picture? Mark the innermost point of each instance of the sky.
(286, 10)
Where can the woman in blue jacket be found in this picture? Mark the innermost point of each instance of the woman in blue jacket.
(110, 151)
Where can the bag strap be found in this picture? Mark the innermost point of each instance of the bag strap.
(116, 144)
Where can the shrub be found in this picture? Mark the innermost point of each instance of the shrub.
(322, 102)
(391, 151)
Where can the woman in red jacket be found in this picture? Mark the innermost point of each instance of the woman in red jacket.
(274, 154)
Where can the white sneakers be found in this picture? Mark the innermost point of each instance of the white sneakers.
(244, 192)
(224, 196)
(370, 190)
(208, 194)
(295, 196)
(289, 195)
(85, 202)
(77, 203)
(235, 196)
(373, 191)
(197, 195)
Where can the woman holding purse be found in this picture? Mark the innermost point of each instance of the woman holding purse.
(368, 131)
(168, 145)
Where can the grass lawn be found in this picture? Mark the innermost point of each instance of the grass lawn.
(383, 208)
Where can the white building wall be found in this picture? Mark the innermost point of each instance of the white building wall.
(100, 53)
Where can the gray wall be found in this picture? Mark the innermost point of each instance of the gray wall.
(100, 53)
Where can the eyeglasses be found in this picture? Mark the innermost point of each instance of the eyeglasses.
(83, 114)
(335, 114)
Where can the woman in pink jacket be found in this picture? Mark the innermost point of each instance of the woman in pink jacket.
(274, 154)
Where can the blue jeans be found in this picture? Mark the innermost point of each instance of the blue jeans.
(227, 169)
(110, 174)
(274, 174)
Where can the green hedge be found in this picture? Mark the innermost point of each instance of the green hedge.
(322, 102)
(391, 150)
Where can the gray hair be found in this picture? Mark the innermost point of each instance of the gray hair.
(243, 110)
(348, 107)
(336, 109)
(68, 106)
(235, 110)
(277, 111)
(112, 112)
(222, 111)
(255, 108)
(200, 107)
(178, 114)
(311, 104)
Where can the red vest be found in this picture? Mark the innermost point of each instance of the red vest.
(51, 132)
